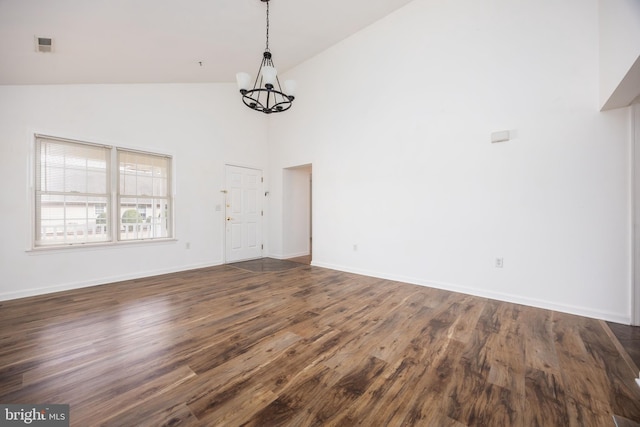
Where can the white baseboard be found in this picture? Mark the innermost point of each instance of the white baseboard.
(296, 255)
(100, 281)
(549, 305)
(287, 256)
(516, 299)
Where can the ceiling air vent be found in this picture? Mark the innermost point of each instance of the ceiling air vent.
(44, 44)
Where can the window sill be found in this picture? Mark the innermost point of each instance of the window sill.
(99, 246)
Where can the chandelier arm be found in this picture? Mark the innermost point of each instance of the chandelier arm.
(253, 103)
(257, 94)
(286, 102)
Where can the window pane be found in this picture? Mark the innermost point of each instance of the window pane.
(72, 219)
(52, 179)
(144, 186)
(99, 212)
(160, 168)
(75, 180)
(160, 187)
(144, 218)
(162, 218)
(97, 181)
(127, 183)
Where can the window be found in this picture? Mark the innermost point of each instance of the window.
(143, 197)
(75, 203)
(71, 180)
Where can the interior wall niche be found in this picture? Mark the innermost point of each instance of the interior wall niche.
(297, 211)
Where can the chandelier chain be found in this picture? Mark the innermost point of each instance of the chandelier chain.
(267, 49)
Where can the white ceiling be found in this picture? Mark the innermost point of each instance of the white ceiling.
(163, 41)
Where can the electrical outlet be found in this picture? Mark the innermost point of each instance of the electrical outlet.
(499, 262)
(355, 248)
(187, 245)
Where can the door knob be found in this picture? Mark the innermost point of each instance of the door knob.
(229, 218)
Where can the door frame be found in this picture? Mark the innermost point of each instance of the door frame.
(635, 208)
(225, 193)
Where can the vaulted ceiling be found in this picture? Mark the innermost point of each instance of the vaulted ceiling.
(164, 41)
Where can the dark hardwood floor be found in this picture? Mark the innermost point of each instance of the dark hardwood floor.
(629, 338)
(306, 346)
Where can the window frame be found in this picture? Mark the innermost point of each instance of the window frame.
(113, 206)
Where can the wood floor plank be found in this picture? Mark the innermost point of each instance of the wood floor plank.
(580, 370)
(288, 408)
(415, 389)
(307, 346)
(264, 385)
(179, 415)
(546, 403)
(110, 408)
(431, 399)
(392, 393)
(479, 399)
(349, 387)
(506, 363)
(230, 374)
(613, 369)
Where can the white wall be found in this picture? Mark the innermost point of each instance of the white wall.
(197, 124)
(397, 121)
(619, 29)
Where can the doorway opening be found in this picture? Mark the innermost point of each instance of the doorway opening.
(297, 217)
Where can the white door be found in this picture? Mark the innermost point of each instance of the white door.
(243, 213)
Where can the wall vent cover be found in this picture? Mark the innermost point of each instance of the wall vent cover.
(44, 44)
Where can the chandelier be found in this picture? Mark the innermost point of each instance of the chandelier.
(266, 95)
